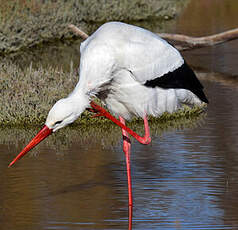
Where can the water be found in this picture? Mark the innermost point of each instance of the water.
(186, 179)
(203, 18)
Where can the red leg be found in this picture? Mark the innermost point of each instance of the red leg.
(130, 217)
(127, 151)
(102, 112)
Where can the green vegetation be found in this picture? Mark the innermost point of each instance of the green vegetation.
(27, 96)
(98, 130)
(28, 93)
(25, 23)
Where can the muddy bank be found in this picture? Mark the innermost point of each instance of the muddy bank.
(27, 23)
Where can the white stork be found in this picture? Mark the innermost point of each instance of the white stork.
(135, 73)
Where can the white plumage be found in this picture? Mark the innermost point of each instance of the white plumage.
(116, 62)
(118, 59)
(134, 72)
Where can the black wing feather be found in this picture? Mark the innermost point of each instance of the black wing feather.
(181, 78)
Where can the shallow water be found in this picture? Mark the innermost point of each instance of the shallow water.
(186, 179)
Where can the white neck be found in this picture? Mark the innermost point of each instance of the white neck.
(80, 100)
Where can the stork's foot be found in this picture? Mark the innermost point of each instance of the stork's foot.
(97, 112)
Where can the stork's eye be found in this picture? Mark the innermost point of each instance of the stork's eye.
(57, 122)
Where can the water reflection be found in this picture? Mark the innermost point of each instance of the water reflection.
(79, 172)
(186, 179)
(100, 131)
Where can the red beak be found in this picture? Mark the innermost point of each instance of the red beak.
(40, 136)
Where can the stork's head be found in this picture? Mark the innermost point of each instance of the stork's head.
(64, 112)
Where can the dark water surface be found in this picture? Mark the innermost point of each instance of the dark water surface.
(186, 179)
